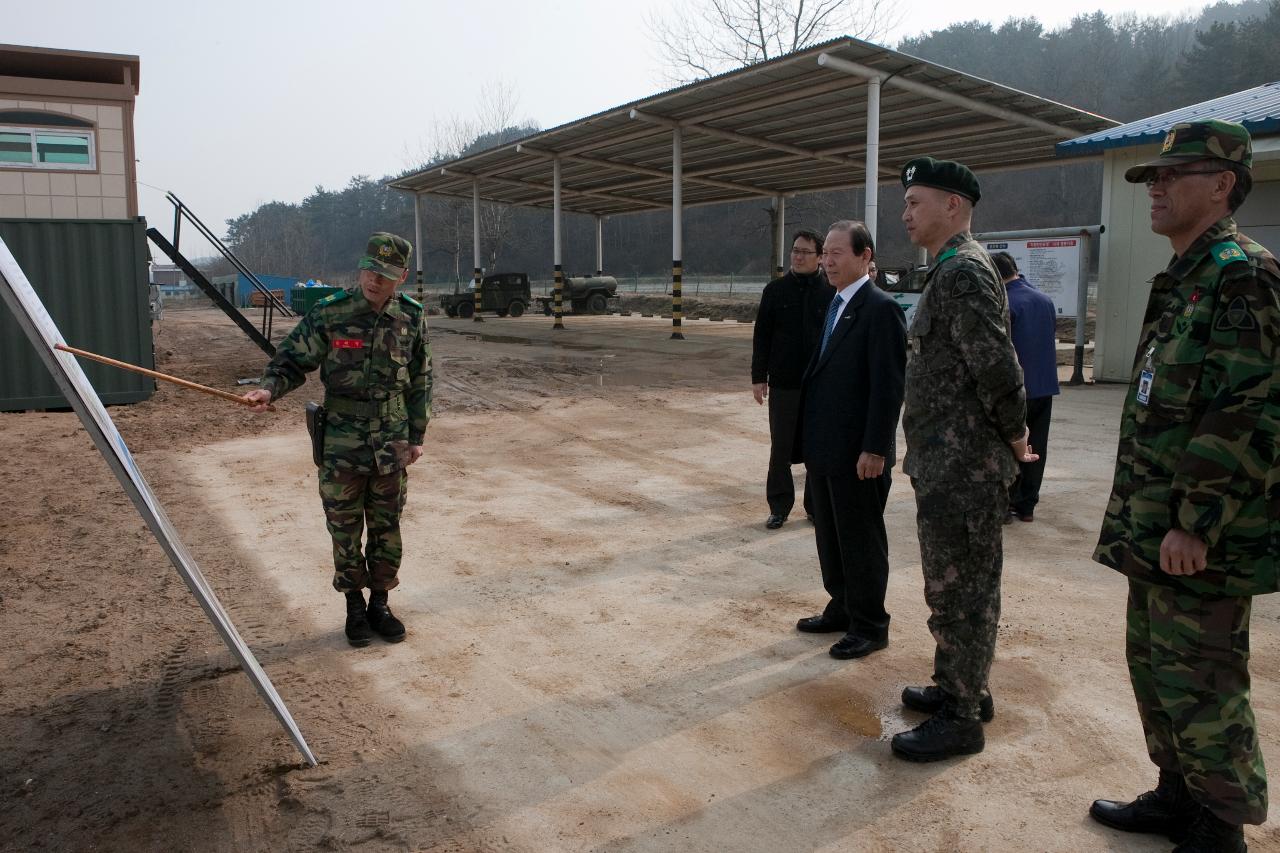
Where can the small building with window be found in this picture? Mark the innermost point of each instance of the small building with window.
(69, 215)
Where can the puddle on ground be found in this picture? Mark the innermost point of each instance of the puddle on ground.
(849, 710)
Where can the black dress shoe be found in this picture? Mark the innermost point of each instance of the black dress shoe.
(821, 625)
(1210, 834)
(943, 735)
(1168, 810)
(931, 699)
(852, 646)
(774, 521)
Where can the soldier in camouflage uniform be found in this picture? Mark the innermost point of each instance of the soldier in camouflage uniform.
(1194, 515)
(375, 362)
(965, 424)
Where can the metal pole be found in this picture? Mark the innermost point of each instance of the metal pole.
(475, 246)
(599, 244)
(781, 202)
(555, 242)
(677, 231)
(871, 207)
(417, 240)
(1082, 310)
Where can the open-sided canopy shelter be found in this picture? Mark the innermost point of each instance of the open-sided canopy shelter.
(822, 118)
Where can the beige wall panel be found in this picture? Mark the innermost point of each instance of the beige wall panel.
(111, 162)
(12, 207)
(7, 104)
(115, 208)
(31, 105)
(86, 111)
(89, 208)
(10, 182)
(34, 183)
(110, 140)
(88, 185)
(113, 186)
(62, 184)
(64, 207)
(111, 118)
(58, 107)
(39, 207)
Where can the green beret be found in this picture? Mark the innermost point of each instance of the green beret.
(946, 175)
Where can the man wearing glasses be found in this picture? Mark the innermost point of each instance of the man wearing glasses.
(1194, 515)
(788, 327)
(370, 345)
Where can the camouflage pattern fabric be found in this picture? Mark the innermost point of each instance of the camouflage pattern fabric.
(964, 398)
(352, 501)
(1188, 142)
(1201, 454)
(960, 527)
(377, 373)
(1189, 663)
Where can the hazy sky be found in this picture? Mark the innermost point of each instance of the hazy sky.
(247, 102)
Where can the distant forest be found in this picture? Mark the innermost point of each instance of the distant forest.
(1124, 67)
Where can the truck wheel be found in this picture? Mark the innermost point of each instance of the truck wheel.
(516, 308)
(546, 308)
(466, 309)
(451, 310)
(501, 312)
(597, 303)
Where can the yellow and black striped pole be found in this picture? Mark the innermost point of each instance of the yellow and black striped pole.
(479, 298)
(559, 299)
(475, 247)
(677, 309)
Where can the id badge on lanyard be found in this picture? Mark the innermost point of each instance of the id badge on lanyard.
(1146, 377)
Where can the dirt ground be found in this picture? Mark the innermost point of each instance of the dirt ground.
(601, 653)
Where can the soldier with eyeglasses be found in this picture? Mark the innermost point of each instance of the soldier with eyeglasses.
(1194, 515)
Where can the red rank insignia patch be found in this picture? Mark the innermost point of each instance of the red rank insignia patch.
(348, 343)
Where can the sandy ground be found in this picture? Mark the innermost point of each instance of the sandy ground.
(600, 656)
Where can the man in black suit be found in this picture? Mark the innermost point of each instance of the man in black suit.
(850, 401)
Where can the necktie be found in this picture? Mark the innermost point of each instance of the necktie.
(833, 312)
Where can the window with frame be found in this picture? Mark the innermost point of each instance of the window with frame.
(34, 140)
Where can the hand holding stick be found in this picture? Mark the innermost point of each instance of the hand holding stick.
(155, 374)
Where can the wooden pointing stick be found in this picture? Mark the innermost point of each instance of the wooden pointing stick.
(155, 374)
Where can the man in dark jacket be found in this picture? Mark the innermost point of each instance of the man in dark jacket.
(1033, 320)
(788, 325)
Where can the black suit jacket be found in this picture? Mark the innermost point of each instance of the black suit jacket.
(851, 395)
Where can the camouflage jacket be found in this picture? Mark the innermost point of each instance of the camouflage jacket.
(376, 370)
(965, 400)
(1199, 435)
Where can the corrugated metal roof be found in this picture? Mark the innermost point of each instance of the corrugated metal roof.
(779, 127)
(1258, 109)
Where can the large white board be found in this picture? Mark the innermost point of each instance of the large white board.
(1052, 265)
(39, 327)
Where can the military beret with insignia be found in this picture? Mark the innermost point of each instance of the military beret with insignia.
(1190, 141)
(946, 175)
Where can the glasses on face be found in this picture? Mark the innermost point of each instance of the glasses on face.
(802, 252)
(1170, 176)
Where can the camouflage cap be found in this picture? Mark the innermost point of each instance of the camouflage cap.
(387, 255)
(1190, 141)
(946, 175)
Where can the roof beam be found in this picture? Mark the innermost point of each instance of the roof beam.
(523, 184)
(866, 72)
(742, 138)
(622, 166)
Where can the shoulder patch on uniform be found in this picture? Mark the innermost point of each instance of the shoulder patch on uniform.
(1227, 252)
(334, 297)
(1236, 317)
(406, 298)
(963, 284)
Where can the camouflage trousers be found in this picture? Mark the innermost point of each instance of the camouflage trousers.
(960, 527)
(1189, 663)
(352, 501)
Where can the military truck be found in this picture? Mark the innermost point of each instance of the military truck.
(505, 293)
(583, 294)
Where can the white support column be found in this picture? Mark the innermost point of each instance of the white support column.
(475, 246)
(780, 204)
(677, 232)
(555, 242)
(417, 240)
(871, 212)
(599, 244)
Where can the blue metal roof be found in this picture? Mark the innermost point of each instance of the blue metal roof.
(1258, 109)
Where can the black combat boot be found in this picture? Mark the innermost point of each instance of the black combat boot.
(358, 633)
(941, 736)
(1168, 810)
(931, 699)
(1210, 834)
(381, 620)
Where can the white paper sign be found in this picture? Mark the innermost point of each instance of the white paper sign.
(1051, 265)
(31, 315)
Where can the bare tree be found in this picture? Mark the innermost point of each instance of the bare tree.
(707, 37)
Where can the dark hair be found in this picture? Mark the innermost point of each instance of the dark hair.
(1244, 184)
(809, 234)
(1005, 264)
(859, 235)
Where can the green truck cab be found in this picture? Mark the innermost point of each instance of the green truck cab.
(505, 294)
